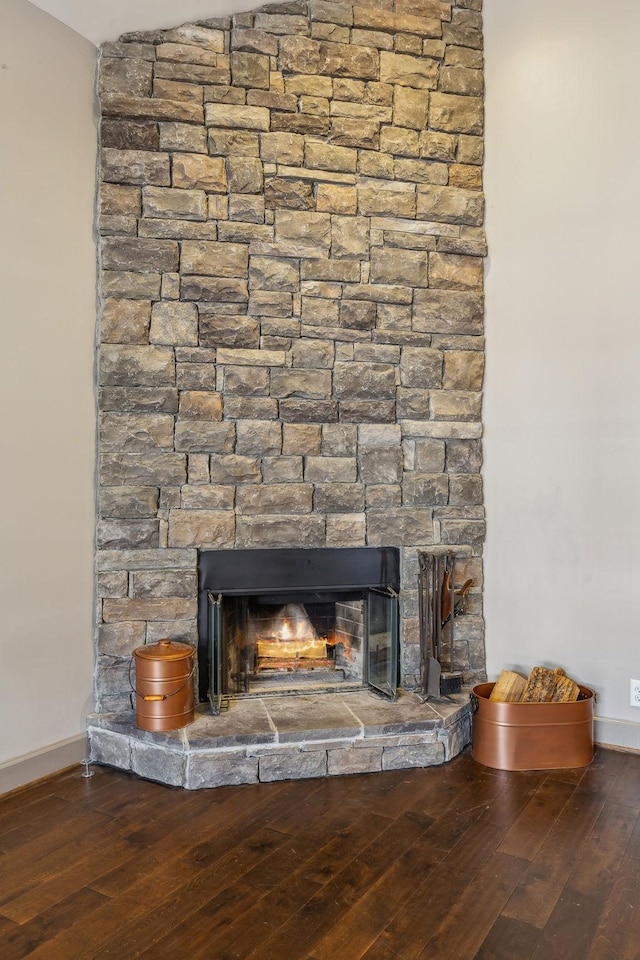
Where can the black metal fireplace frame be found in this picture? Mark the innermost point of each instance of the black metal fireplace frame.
(291, 571)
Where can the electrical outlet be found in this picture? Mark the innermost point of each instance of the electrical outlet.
(634, 693)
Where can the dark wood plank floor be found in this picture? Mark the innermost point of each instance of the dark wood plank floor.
(449, 863)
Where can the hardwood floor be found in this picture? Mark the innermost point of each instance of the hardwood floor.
(447, 863)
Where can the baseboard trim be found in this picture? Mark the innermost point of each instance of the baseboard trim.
(42, 763)
(623, 734)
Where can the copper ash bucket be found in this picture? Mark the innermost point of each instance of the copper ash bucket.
(163, 685)
(532, 736)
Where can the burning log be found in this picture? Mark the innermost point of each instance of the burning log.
(291, 649)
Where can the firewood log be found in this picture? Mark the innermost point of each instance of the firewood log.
(540, 686)
(566, 691)
(509, 687)
(550, 686)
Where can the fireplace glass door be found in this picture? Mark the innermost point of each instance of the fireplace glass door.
(334, 636)
(291, 643)
(382, 647)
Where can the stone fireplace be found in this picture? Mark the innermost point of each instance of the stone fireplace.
(291, 307)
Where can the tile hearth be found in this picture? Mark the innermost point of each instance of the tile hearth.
(287, 738)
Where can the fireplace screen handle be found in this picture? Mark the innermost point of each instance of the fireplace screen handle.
(215, 651)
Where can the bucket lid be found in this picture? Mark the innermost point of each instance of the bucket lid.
(164, 650)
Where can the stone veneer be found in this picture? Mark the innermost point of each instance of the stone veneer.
(291, 307)
(287, 738)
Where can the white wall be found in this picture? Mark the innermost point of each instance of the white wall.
(562, 454)
(562, 408)
(107, 19)
(47, 318)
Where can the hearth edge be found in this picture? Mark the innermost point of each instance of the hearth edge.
(178, 758)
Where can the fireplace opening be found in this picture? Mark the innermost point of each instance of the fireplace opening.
(270, 645)
(274, 622)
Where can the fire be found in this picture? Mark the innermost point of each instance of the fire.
(292, 623)
(289, 641)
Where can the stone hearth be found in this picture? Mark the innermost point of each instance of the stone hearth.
(287, 738)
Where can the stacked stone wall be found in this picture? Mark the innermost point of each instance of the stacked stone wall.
(291, 330)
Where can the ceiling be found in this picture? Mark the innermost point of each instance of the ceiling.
(100, 20)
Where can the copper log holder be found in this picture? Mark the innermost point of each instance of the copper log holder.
(532, 736)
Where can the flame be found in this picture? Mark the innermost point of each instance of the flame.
(292, 623)
(290, 635)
